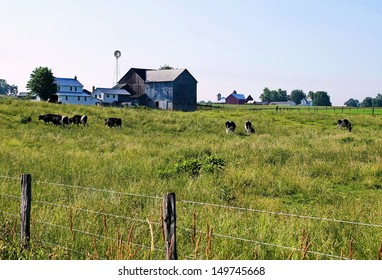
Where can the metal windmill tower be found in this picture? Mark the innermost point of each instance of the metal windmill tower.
(117, 55)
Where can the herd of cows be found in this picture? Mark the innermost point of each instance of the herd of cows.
(230, 126)
(76, 119)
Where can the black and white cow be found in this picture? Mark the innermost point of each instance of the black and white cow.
(111, 122)
(60, 120)
(49, 118)
(230, 126)
(248, 127)
(344, 123)
(78, 119)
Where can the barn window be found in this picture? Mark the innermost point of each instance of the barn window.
(66, 98)
(85, 98)
(79, 98)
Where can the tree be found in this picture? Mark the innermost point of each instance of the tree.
(42, 82)
(310, 94)
(377, 101)
(166, 67)
(4, 87)
(352, 103)
(266, 95)
(367, 102)
(297, 95)
(273, 95)
(321, 98)
(13, 90)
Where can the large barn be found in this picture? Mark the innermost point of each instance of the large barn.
(170, 89)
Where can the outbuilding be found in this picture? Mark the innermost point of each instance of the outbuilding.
(167, 89)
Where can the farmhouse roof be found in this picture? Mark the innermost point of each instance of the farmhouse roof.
(71, 82)
(115, 91)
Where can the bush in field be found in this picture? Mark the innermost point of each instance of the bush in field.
(25, 119)
(194, 166)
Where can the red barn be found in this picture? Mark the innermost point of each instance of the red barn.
(235, 98)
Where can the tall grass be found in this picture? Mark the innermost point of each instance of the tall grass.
(296, 162)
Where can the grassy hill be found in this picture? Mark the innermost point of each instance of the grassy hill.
(297, 188)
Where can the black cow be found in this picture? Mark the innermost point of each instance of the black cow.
(248, 127)
(111, 122)
(344, 123)
(49, 118)
(230, 126)
(78, 119)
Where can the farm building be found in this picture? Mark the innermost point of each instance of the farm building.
(307, 101)
(111, 96)
(235, 98)
(71, 91)
(170, 89)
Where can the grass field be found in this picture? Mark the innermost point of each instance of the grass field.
(297, 188)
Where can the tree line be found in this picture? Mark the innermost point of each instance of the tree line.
(367, 102)
(319, 98)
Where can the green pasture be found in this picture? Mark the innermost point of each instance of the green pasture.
(297, 188)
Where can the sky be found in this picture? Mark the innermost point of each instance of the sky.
(243, 45)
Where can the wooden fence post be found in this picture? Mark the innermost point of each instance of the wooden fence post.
(25, 211)
(169, 225)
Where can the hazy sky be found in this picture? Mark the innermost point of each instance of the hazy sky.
(312, 45)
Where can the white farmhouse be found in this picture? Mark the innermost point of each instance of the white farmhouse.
(71, 91)
(307, 101)
(112, 96)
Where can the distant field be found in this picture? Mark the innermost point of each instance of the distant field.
(321, 109)
(297, 188)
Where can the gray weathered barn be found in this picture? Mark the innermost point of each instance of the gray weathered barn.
(170, 89)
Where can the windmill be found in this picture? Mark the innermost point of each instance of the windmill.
(117, 55)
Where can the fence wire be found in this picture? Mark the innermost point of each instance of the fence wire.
(293, 215)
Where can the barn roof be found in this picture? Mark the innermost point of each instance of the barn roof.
(239, 96)
(163, 75)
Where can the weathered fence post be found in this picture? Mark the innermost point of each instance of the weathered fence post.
(169, 225)
(25, 211)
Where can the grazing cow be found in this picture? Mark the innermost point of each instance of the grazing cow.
(117, 122)
(344, 123)
(60, 120)
(248, 127)
(78, 119)
(230, 126)
(49, 118)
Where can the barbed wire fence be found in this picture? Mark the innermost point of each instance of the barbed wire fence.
(154, 245)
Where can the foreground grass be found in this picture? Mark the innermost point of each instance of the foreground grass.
(296, 162)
